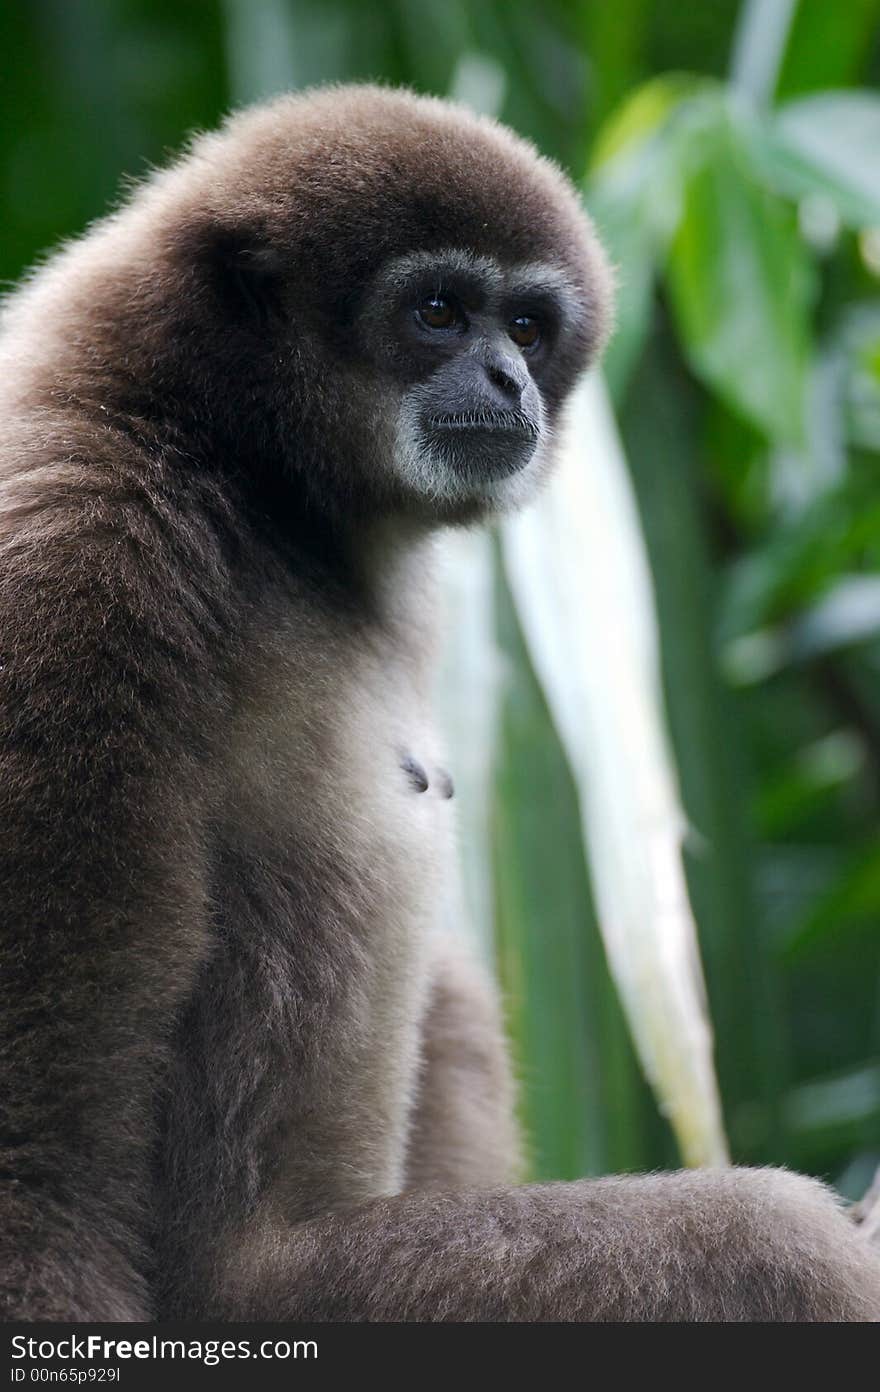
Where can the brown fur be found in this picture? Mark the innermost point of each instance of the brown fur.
(235, 1066)
(462, 1133)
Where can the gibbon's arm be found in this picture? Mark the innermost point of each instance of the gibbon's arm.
(733, 1244)
(463, 1132)
(736, 1244)
(103, 904)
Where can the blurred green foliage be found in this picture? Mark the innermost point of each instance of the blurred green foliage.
(729, 154)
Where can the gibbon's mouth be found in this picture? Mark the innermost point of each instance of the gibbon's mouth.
(482, 444)
(506, 422)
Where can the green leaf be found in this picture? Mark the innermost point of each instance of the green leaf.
(848, 613)
(641, 118)
(791, 597)
(829, 45)
(741, 287)
(846, 1101)
(633, 246)
(634, 194)
(849, 906)
(827, 146)
(806, 782)
(859, 345)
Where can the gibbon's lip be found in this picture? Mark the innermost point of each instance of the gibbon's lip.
(482, 445)
(507, 422)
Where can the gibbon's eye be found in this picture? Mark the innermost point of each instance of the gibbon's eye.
(525, 331)
(436, 312)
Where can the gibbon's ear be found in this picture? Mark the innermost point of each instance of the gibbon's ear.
(244, 269)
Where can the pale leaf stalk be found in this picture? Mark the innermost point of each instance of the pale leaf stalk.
(579, 575)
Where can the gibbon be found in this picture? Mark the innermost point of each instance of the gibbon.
(245, 1073)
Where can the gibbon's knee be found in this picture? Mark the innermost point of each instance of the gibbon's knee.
(463, 1130)
(822, 1264)
(764, 1244)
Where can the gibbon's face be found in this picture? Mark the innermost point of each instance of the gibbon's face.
(474, 354)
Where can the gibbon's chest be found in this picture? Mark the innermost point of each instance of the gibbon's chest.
(334, 765)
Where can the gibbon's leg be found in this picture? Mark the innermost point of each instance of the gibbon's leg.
(748, 1245)
(463, 1132)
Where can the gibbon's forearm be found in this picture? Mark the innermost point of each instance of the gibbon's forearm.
(748, 1245)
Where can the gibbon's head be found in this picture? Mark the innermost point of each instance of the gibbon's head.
(380, 297)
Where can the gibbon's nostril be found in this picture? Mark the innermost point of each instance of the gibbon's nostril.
(506, 381)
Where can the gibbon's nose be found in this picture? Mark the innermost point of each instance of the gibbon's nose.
(508, 377)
